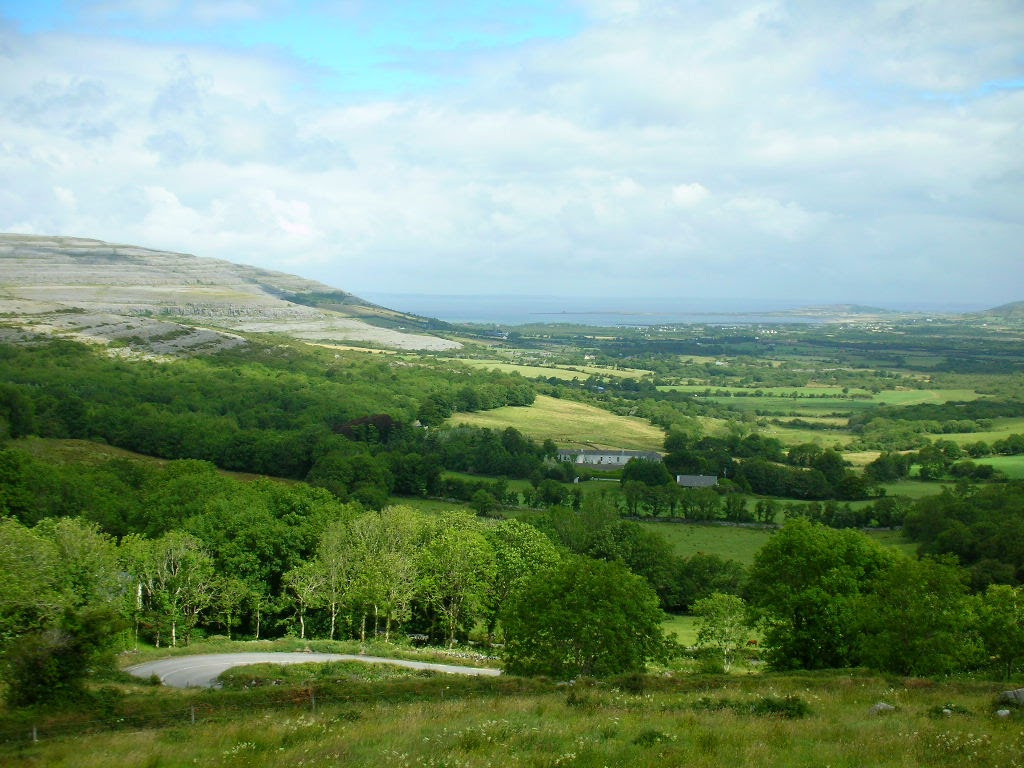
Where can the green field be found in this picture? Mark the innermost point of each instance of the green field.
(826, 438)
(915, 489)
(1000, 429)
(570, 425)
(732, 542)
(793, 406)
(821, 397)
(894, 539)
(427, 505)
(741, 543)
(834, 392)
(683, 627)
(563, 372)
(1011, 466)
(919, 396)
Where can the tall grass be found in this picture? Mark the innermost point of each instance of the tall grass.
(701, 721)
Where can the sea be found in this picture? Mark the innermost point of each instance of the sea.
(511, 310)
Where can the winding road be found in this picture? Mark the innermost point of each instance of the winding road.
(201, 671)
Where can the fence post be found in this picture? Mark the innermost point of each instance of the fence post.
(312, 696)
(192, 712)
(35, 735)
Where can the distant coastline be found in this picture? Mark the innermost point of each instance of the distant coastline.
(610, 312)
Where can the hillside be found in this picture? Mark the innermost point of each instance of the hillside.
(173, 303)
(1013, 309)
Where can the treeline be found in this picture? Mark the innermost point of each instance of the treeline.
(983, 526)
(597, 530)
(762, 465)
(837, 599)
(199, 553)
(908, 427)
(258, 530)
(267, 410)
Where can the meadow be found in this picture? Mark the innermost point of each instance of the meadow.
(570, 424)
(732, 542)
(741, 542)
(1011, 466)
(1000, 428)
(670, 719)
(562, 372)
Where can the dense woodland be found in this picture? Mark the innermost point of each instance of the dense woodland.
(321, 545)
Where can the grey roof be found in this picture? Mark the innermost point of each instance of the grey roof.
(697, 481)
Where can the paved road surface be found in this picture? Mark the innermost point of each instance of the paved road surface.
(201, 671)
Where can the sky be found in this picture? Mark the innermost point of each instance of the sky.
(815, 151)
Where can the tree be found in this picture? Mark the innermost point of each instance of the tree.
(832, 465)
(803, 585)
(646, 471)
(916, 619)
(90, 573)
(336, 561)
(31, 597)
(174, 575)
(51, 664)
(57, 609)
(736, 508)
(721, 625)
(457, 571)
(583, 617)
(483, 503)
(520, 551)
(701, 575)
(382, 550)
(1001, 626)
(766, 510)
(305, 584)
(229, 595)
(17, 415)
(700, 503)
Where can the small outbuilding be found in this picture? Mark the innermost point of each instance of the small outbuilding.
(697, 481)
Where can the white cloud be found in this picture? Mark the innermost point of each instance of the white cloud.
(807, 143)
(689, 195)
(787, 220)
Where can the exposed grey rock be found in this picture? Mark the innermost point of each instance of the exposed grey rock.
(1002, 713)
(1015, 697)
(881, 708)
(64, 285)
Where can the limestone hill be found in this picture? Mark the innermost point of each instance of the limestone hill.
(160, 302)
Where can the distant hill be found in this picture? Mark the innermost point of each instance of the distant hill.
(1013, 309)
(846, 309)
(174, 303)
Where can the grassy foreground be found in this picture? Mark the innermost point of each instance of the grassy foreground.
(432, 720)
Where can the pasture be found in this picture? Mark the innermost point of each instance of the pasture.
(570, 425)
(816, 401)
(914, 489)
(833, 437)
(1000, 428)
(683, 627)
(732, 542)
(1011, 466)
(563, 372)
